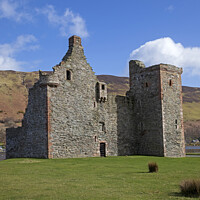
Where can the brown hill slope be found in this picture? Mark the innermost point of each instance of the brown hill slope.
(14, 94)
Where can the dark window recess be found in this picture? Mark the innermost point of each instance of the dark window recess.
(103, 128)
(176, 124)
(147, 85)
(94, 104)
(102, 149)
(141, 126)
(103, 87)
(170, 82)
(95, 138)
(68, 75)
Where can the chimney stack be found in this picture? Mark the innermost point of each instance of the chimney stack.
(74, 41)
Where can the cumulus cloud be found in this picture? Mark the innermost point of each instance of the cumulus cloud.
(68, 23)
(8, 52)
(11, 10)
(165, 50)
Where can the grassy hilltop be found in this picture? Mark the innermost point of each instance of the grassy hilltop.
(95, 178)
(14, 95)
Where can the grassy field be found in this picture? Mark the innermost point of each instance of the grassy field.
(95, 178)
(191, 111)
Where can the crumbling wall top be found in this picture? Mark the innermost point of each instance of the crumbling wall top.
(50, 79)
(136, 66)
(74, 40)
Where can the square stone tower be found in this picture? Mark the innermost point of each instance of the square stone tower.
(158, 114)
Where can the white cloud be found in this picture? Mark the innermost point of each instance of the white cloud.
(8, 52)
(170, 8)
(165, 50)
(69, 22)
(11, 10)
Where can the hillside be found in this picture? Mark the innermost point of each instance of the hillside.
(14, 95)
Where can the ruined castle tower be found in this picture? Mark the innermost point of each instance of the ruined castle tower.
(158, 114)
(70, 113)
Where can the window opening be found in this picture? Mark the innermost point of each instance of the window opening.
(94, 104)
(103, 126)
(170, 82)
(103, 87)
(95, 138)
(68, 75)
(176, 124)
(147, 85)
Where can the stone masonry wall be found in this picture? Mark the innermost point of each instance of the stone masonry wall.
(70, 114)
(158, 109)
(145, 88)
(14, 142)
(79, 122)
(31, 138)
(125, 126)
(172, 111)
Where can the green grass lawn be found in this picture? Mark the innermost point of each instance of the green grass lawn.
(95, 178)
(195, 154)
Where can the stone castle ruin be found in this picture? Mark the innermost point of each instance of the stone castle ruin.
(70, 113)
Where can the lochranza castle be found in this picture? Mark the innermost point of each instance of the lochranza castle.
(70, 113)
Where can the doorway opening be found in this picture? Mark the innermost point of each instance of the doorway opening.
(103, 149)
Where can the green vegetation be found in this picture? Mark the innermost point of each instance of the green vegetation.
(190, 188)
(195, 154)
(20, 112)
(191, 111)
(153, 167)
(95, 178)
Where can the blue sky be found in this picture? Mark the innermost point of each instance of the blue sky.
(34, 34)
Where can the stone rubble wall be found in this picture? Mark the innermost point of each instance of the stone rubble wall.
(31, 138)
(172, 111)
(79, 121)
(145, 88)
(66, 116)
(126, 139)
(14, 139)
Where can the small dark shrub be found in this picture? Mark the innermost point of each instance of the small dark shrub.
(20, 112)
(190, 188)
(153, 167)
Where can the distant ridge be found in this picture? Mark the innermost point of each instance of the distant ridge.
(14, 87)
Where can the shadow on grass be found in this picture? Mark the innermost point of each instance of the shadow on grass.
(175, 194)
(178, 194)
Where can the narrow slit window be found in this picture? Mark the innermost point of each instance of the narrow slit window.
(102, 126)
(170, 82)
(147, 85)
(103, 87)
(68, 75)
(176, 124)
